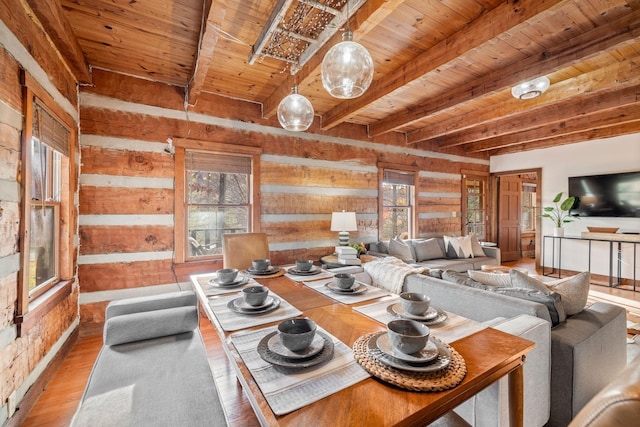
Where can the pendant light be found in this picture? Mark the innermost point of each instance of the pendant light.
(347, 69)
(295, 112)
(531, 89)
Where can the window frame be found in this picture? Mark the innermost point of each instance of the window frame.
(33, 305)
(484, 178)
(382, 166)
(182, 145)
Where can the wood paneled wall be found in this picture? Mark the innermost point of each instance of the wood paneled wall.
(127, 197)
(23, 46)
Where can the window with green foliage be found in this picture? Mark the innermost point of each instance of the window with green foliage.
(217, 200)
(528, 220)
(474, 205)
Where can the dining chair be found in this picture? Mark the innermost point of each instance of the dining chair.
(239, 249)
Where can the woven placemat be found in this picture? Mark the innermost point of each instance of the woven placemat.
(444, 379)
(278, 273)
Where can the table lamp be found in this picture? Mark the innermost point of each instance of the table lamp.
(343, 222)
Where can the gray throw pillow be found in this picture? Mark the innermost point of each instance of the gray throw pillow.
(401, 249)
(574, 291)
(427, 249)
(462, 279)
(550, 299)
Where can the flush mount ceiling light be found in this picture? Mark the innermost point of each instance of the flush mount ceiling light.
(295, 112)
(347, 69)
(531, 89)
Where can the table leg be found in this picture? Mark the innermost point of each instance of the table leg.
(516, 397)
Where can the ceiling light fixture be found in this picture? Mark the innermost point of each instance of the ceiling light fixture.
(347, 69)
(295, 112)
(531, 89)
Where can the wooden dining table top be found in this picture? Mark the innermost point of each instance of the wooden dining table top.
(489, 355)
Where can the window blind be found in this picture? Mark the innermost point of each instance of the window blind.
(210, 162)
(49, 131)
(398, 177)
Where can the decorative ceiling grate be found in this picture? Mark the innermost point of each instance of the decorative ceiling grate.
(297, 29)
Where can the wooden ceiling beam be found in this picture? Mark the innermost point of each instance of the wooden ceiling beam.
(617, 129)
(619, 75)
(483, 29)
(367, 17)
(603, 38)
(214, 12)
(582, 123)
(58, 28)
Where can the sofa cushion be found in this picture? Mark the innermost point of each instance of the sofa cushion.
(402, 250)
(490, 279)
(427, 249)
(550, 299)
(461, 279)
(574, 291)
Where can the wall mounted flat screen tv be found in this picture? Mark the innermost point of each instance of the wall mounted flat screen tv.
(610, 195)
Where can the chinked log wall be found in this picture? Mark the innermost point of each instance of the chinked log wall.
(126, 183)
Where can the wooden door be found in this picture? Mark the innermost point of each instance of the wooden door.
(509, 202)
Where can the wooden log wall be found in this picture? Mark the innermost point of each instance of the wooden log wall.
(25, 358)
(126, 184)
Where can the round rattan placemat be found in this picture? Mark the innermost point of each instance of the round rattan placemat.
(444, 379)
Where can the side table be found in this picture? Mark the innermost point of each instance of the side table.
(330, 261)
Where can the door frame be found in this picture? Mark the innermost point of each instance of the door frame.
(493, 184)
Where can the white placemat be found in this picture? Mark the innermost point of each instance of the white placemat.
(211, 290)
(232, 321)
(452, 329)
(287, 390)
(300, 278)
(372, 292)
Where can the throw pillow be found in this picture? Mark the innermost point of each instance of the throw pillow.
(401, 250)
(427, 249)
(523, 280)
(491, 279)
(476, 247)
(457, 247)
(461, 279)
(383, 247)
(434, 272)
(550, 299)
(574, 291)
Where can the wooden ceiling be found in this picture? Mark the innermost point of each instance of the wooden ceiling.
(443, 68)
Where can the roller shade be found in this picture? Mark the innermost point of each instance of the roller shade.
(49, 131)
(398, 177)
(209, 162)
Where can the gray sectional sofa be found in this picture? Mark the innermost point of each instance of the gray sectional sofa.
(432, 253)
(152, 369)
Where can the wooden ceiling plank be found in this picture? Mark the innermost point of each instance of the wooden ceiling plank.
(611, 117)
(622, 31)
(596, 83)
(486, 27)
(52, 18)
(363, 21)
(214, 18)
(627, 128)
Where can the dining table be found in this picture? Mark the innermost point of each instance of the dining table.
(351, 388)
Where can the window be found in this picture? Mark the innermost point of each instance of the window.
(528, 220)
(474, 204)
(214, 196)
(397, 190)
(47, 176)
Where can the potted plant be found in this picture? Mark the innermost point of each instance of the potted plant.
(560, 213)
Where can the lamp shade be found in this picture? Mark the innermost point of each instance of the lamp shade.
(531, 89)
(295, 112)
(343, 221)
(347, 69)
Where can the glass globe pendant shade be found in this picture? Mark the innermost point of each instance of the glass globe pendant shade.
(347, 69)
(531, 89)
(295, 112)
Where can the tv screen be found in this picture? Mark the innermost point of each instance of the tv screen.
(610, 195)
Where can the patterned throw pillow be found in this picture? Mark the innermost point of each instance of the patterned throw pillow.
(458, 247)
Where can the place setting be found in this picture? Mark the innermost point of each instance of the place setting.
(416, 306)
(255, 300)
(408, 356)
(343, 287)
(263, 268)
(223, 281)
(296, 363)
(305, 270)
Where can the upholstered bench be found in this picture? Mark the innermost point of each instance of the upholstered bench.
(153, 368)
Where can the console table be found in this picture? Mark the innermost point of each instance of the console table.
(615, 242)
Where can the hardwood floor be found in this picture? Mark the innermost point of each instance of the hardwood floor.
(58, 402)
